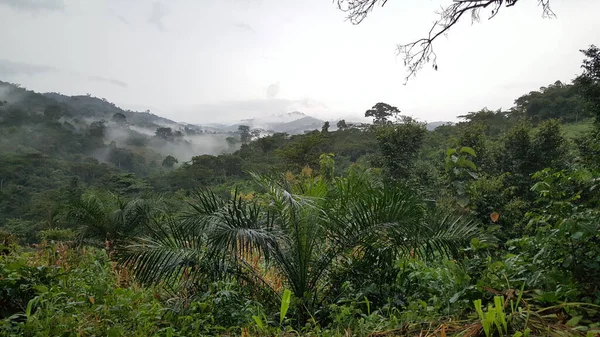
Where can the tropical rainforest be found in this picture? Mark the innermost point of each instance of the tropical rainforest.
(485, 227)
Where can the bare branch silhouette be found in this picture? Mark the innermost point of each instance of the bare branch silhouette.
(417, 53)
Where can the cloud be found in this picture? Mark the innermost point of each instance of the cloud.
(34, 5)
(159, 11)
(108, 80)
(233, 111)
(246, 27)
(10, 68)
(119, 17)
(273, 90)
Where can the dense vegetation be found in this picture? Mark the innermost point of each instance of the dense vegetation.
(487, 227)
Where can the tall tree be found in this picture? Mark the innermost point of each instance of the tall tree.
(245, 135)
(120, 119)
(382, 112)
(589, 82)
(169, 161)
(164, 133)
(54, 112)
(97, 129)
(399, 145)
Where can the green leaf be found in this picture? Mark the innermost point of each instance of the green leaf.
(574, 321)
(462, 200)
(469, 164)
(473, 174)
(466, 149)
(577, 235)
(258, 321)
(29, 307)
(567, 261)
(455, 297)
(114, 332)
(285, 304)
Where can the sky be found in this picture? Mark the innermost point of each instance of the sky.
(226, 60)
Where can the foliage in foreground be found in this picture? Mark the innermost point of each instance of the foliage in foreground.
(59, 290)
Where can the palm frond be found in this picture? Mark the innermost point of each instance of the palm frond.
(165, 253)
(446, 234)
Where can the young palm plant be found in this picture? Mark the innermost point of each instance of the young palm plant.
(105, 219)
(300, 229)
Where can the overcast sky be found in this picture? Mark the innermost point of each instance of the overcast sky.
(223, 60)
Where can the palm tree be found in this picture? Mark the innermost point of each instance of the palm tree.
(104, 219)
(300, 229)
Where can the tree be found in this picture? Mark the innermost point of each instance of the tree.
(97, 129)
(419, 52)
(399, 146)
(549, 147)
(164, 133)
(104, 219)
(473, 135)
(588, 83)
(299, 232)
(558, 100)
(327, 166)
(267, 144)
(304, 151)
(517, 159)
(245, 135)
(120, 119)
(341, 124)
(54, 112)
(381, 112)
(461, 169)
(169, 161)
(325, 128)
(231, 141)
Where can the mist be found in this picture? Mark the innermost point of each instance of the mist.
(183, 148)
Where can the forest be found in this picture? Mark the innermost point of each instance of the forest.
(485, 227)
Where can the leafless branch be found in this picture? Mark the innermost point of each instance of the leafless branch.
(358, 9)
(420, 52)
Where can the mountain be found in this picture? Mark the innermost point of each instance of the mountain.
(265, 122)
(299, 126)
(100, 108)
(433, 125)
(292, 123)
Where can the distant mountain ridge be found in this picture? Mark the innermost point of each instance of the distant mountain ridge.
(99, 108)
(90, 107)
(433, 125)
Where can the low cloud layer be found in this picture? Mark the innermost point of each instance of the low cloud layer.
(234, 111)
(34, 5)
(10, 68)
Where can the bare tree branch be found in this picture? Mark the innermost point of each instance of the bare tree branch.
(419, 52)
